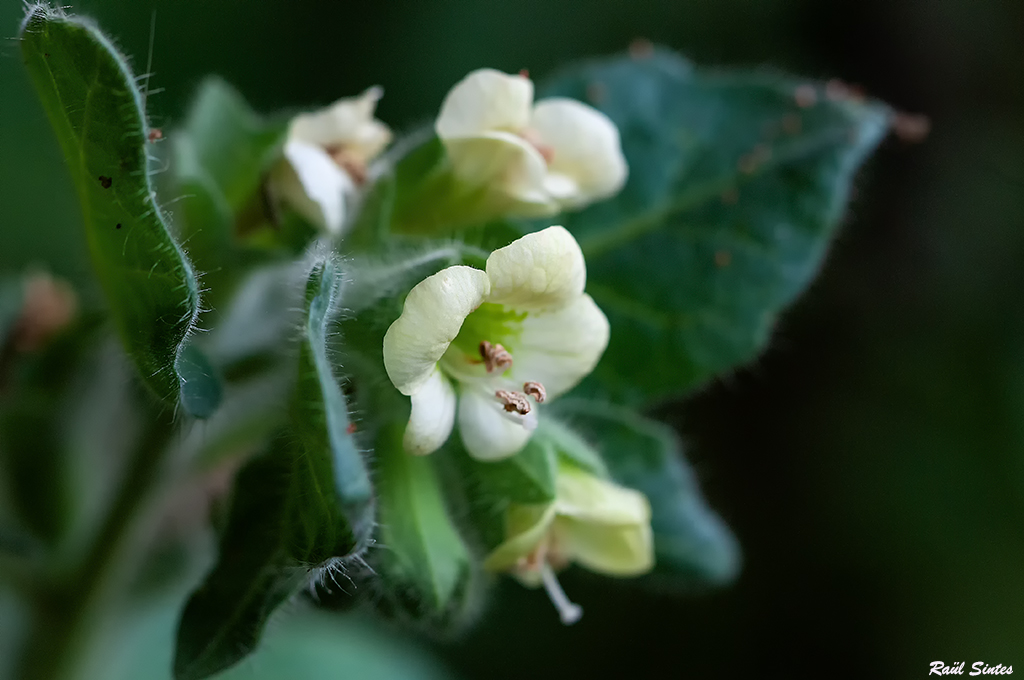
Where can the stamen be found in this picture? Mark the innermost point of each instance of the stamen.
(513, 401)
(495, 356)
(535, 390)
(569, 612)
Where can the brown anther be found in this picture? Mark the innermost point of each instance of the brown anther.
(513, 402)
(349, 162)
(524, 73)
(910, 127)
(641, 48)
(723, 258)
(597, 92)
(805, 96)
(155, 134)
(730, 196)
(535, 390)
(494, 356)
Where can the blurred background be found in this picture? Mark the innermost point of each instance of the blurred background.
(871, 462)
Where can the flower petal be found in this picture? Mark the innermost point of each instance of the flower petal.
(525, 527)
(485, 101)
(586, 161)
(588, 498)
(621, 550)
(348, 122)
(561, 347)
(432, 416)
(433, 313)
(507, 172)
(542, 270)
(488, 433)
(313, 184)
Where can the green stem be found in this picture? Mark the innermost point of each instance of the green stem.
(71, 614)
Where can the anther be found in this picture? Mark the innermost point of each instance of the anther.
(495, 356)
(535, 390)
(513, 402)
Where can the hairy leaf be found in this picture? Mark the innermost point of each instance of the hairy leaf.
(693, 546)
(737, 183)
(97, 112)
(299, 509)
(220, 158)
(423, 566)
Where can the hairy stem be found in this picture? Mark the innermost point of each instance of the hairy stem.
(69, 615)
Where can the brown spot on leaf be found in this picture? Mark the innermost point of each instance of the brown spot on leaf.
(838, 91)
(641, 48)
(105, 181)
(118, 226)
(805, 95)
(909, 127)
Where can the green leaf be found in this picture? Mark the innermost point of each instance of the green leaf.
(36, 457)
(90, 97)
(201, 390)
(423, 564)
(233, 146)
(12, 301)
(304, 645)
(734, 193)
(300, 510)
(693, 546)
(219, 160)
(527, 477)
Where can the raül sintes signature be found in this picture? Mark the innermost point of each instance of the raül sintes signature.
(977, 668)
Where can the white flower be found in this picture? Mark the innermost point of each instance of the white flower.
(537, 159)
(508, 337)
(604, 527)
(326, 157)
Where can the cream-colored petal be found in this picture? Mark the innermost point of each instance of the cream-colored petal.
(489, 433)
(619, 550)
(587, 498)
(433, 313)
(349, 122)
(509, 172)
(525, 527)
(432, 416)
(542, 270)
(586, 162)
(485, 100)
(561, 347)
(313, 185)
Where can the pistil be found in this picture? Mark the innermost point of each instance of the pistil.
(569, 612)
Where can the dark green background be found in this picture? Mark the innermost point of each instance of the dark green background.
(872, 461)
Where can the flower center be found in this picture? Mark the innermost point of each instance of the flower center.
(532, 138)
(348, 161)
